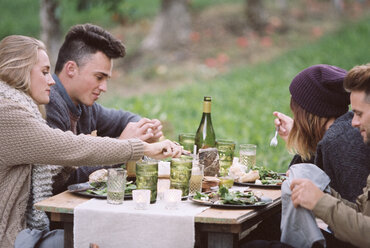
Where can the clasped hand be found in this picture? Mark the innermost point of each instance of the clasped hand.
(146, 130)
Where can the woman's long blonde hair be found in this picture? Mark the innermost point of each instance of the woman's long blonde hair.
(18, 55)
(308, 129)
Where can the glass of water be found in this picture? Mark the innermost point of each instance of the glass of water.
(116, 185)
(247, 155)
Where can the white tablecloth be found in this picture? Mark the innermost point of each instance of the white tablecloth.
(106, 225)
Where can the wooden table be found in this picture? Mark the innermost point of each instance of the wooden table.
(214, 227)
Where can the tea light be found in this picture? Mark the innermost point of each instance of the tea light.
(172, 198)
(141, 198)
(164, 168)
(162, 186)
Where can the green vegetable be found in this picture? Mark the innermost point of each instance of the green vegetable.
(100, 188)
(269, 177)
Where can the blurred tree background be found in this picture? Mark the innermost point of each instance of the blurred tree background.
(243, 53)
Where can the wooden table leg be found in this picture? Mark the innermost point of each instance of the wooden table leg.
(68, 234)
(67, 220)
(224, 240)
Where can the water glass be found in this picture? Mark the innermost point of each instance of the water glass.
(180, 173)
(195, 184)
(187, 140)
(172, 198)
(247, 155)
(116, 185)
(141, 198)
(225, 150)
(147, 177)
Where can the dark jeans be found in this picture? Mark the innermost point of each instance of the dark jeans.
(28, 238)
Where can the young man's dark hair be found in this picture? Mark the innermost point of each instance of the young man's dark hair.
(85, 39)
(358, 79)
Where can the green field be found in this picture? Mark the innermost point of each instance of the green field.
(29, 24)
(244, 99)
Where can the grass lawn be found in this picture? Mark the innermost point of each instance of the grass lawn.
(243, 100)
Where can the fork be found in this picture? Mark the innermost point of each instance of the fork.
(274, 140)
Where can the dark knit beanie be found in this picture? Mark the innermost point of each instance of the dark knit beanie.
(319, 90)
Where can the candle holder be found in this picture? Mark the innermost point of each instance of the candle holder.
(141, 198)
(172, 198)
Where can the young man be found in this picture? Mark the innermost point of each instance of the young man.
(349, 222)
(82, 70)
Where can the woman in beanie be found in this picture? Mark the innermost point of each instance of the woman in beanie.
(321, 132)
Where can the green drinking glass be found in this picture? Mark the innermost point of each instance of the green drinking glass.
(180, 173)
(225, 150)
(187, 141)
(147, 177)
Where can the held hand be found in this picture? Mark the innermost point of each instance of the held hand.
(163, 149)
(285, 124)
(305, 193)
(142, 129)
(156, 129)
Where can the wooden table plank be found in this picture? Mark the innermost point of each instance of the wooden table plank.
(62, 203)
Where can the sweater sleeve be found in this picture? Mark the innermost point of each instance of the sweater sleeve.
(25, 140)
(347, 223)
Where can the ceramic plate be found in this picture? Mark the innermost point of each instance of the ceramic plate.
(264, 201)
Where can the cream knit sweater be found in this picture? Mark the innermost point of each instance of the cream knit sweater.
(25, 140)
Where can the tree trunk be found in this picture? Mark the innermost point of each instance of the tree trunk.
(171, 28)
(255, 13)
(50, 28)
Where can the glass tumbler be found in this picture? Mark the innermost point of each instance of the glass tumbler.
(116, 185)
(180, 173)
(187, 141)
(225, 150)
(196, 178)
(247, 155)
(147, 177)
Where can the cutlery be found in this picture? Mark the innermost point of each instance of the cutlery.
(274, 140)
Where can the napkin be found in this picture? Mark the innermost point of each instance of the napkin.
(107, 225)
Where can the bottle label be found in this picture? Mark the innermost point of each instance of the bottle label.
(206, 107)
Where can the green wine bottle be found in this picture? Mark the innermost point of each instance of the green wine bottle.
(205, 136)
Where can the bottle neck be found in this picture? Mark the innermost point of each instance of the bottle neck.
(206, 107)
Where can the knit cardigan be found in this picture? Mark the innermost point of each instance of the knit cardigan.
(25, 139)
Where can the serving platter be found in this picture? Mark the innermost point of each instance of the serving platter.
(82, 189)
(216, 203)
(268, 186)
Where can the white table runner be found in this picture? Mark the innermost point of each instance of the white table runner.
(106, 225)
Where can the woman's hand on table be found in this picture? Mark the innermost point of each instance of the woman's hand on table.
(285, 124)
(163, 149)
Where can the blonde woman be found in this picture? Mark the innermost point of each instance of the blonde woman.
(27, 140)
